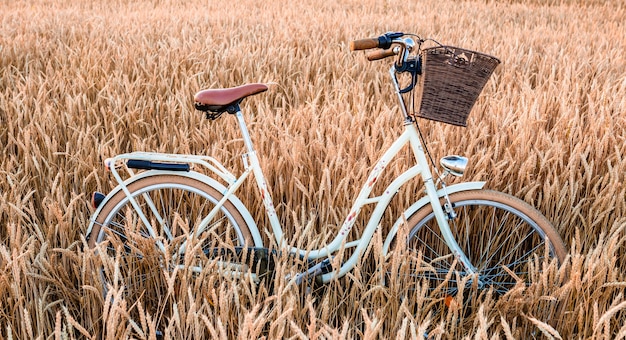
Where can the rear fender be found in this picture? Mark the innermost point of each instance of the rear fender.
(256, 236)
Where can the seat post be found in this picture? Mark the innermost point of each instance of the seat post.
(264, 191)
(244, 131)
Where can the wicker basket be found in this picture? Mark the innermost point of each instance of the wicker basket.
(451, 82)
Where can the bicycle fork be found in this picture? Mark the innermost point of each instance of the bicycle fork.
(441, 216)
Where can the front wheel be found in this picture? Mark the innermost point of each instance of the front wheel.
(503, 237)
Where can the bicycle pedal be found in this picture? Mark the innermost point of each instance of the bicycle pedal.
(315, 270)
(326, 267)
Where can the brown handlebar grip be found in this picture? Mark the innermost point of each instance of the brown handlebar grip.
(380, 54)
(363, 44)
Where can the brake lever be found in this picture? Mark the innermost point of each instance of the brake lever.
(385, 40)
(414, 67)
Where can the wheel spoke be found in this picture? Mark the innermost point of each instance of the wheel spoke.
(520, 260)
(498, 233)
(489, 244)
(507, 233)
(176, 204)
(431, 249)
(530, 234)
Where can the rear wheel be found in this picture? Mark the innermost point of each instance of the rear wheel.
(505, 239)
(139, 260)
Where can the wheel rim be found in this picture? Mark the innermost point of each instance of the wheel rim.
(140, 267)
(504, 248)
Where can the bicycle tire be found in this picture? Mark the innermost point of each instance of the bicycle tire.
(517, 241)
(140, 264)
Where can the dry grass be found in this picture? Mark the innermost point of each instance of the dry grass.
(82, 81)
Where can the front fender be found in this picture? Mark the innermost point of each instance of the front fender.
(467, 186)
(256, 236)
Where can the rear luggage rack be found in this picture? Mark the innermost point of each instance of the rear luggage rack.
(165, 162)
(149, 165)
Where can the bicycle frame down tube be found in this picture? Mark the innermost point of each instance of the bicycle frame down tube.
(363, 199)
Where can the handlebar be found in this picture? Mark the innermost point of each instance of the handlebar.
(384, 42)
(382, 54)
(364, 44)
(394, 44)
(403, 46)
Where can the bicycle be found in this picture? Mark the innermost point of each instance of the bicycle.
(166, 210)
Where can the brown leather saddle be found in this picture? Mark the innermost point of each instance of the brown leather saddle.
(226, 100)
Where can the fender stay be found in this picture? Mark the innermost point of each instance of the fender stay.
(256, 236)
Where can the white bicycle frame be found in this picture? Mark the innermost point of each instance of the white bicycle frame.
(410, 137)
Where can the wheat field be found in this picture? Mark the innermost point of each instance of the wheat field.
(84, 80)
